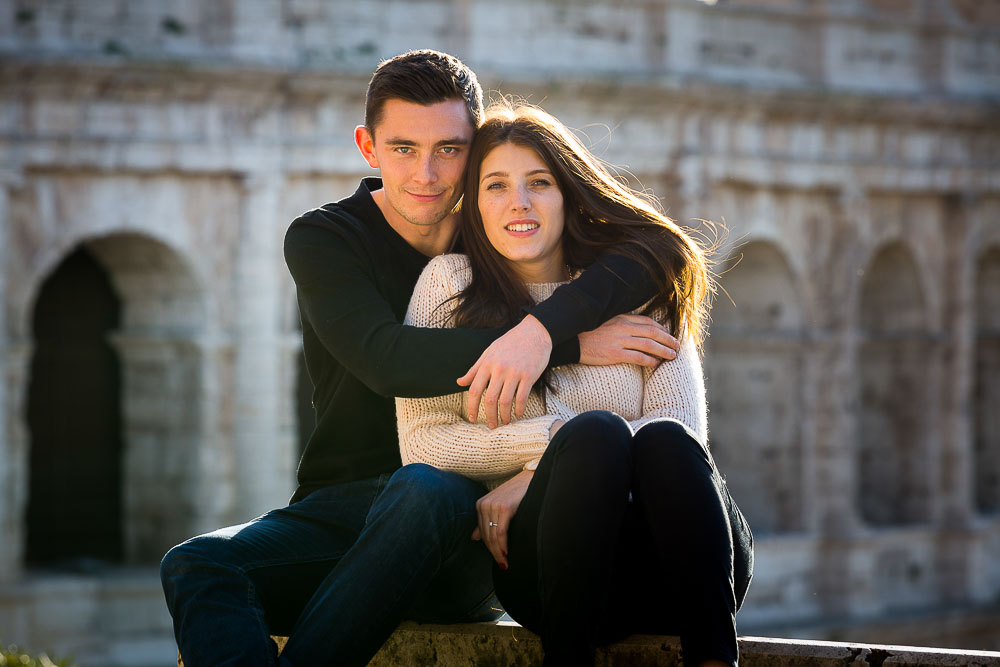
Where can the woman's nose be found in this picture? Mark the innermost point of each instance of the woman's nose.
(519, 198)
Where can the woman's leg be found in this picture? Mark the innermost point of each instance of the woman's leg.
(697, 535)
(562, 541)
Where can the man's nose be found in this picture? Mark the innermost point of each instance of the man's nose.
(426, 171)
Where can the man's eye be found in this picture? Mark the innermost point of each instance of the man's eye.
(450, 150)
(404, 149)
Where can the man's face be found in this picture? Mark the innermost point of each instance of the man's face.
(421, 152)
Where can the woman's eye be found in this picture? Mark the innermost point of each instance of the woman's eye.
(541, 183)
(496, 185)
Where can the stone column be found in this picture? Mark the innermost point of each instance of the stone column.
(835, 369)
(958, 579)
(15, 359)
(9, 536)
(264, 451)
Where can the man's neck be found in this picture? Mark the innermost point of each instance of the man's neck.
(429, 240)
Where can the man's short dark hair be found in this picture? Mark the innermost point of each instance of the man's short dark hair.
(423, 77)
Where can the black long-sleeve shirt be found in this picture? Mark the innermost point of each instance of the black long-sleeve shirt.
(354, 276)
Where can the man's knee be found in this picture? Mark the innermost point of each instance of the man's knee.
(197, 555)
(425, 485)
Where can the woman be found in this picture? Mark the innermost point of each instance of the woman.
(607, 515)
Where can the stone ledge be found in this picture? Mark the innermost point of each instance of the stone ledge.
(509, 645)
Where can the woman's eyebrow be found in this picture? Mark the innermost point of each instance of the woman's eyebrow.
(504, 173)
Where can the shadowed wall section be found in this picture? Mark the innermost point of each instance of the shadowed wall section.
(753, 371)
(986, 392)
(892, 455)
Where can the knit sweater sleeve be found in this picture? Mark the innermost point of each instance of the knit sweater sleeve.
(435, 430)
(676, 390)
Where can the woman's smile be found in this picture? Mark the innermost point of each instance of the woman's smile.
(522, 228)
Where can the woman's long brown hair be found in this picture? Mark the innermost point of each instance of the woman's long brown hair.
(602, 215)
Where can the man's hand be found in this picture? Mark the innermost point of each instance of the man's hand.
(505, 372)
(628, 339)
(496, 509)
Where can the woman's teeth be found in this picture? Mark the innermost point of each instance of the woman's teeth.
(522, 227)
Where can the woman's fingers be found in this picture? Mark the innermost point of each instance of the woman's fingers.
(494, 519)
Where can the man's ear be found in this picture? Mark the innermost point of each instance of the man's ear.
(366, 144)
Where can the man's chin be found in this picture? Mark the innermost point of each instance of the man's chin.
(428, 220)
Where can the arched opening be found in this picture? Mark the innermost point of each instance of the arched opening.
(74, 506)
(892, 458)
(753, 366)
(119, 341)
(986, 391)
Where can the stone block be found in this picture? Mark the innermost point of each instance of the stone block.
(509, 645)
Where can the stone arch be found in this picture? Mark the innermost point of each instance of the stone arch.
(986, 391)
(754, 369)
(162, 347)
(893, 467)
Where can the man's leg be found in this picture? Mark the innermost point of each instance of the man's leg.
(230, 589)
(422, 518)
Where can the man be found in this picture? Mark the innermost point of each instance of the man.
(365, 543)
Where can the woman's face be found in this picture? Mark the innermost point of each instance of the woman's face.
(522, 211)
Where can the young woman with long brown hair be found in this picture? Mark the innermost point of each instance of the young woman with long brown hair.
(607, 515)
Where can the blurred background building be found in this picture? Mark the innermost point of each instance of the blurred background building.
(152, 153)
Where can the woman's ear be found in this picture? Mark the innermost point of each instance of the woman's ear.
(366, 144)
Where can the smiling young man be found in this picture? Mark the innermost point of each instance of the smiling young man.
(365, 543)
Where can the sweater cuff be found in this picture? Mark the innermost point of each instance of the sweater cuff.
(534, 444)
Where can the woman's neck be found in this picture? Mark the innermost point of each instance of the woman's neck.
(549, 270)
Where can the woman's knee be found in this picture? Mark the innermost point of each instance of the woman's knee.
(606, 433)
(670, 440)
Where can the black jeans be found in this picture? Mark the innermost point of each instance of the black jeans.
(620, 534)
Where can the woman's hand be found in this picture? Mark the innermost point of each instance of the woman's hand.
(496, 509)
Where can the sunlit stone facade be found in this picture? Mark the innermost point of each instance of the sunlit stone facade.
(850, 149)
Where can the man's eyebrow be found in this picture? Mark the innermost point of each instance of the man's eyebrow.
(453, 141)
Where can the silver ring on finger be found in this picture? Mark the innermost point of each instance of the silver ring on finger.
(493, 524)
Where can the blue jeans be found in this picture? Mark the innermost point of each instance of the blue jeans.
(336, 572)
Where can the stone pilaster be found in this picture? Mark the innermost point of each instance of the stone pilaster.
(264, 451)
(9, 545)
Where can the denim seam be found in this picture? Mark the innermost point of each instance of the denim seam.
(256, 565)
(259, 615)
(383, 481)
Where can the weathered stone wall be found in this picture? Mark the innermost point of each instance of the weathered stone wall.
(850, 148)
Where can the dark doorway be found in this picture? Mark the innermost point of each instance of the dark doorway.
(74, 513)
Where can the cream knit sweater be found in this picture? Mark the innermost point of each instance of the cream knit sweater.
(436, 430)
